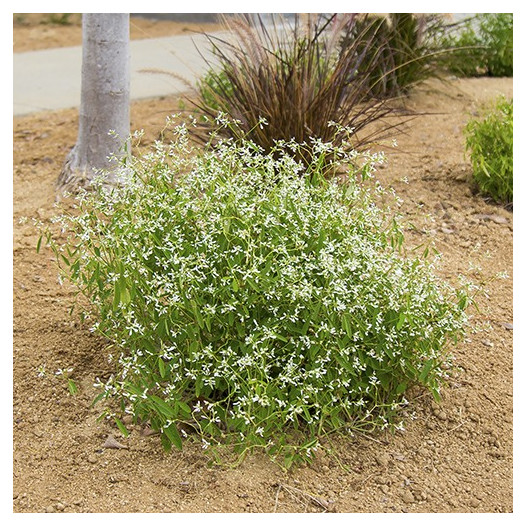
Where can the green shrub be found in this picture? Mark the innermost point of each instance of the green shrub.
(252, 306)
(484, 46)
(489, 141)
(296, 79)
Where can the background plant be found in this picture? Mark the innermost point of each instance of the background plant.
(489, 142)
(252, 306)
(484, 46)
(294, 76)
(401, 49)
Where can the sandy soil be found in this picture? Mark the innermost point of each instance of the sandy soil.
(453, 457)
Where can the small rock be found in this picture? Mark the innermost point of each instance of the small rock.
(117, 478)
(382, 459)
(50, 509)
(441, 415)
(487, 343)
(60, 506)
(184, 486)
(508, 326)
(473, 503)
(408, 497)
(447, 230)
(92, 459)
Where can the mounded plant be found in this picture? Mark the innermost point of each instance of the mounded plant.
(254, 300)
(489, 143)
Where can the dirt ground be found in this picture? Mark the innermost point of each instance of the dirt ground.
(34, 31)
(455, 457)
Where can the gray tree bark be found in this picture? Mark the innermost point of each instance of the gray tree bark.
(104, 104)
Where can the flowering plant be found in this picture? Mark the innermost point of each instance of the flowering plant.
(254, 300)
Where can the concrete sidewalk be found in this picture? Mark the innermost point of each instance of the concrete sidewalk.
(50, 79)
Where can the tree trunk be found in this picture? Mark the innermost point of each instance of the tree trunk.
(104, 116)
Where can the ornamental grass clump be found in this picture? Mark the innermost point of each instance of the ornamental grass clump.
(294, 75)
(401, 50)
(254, 301)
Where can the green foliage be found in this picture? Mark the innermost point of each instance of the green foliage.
(484, 46)
(211, 83)
(297, 80)
(401, 50)
(253, 306)
(489, 141)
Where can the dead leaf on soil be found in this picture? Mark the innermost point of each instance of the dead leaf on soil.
(111, 443)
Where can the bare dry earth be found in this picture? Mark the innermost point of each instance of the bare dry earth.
(33, 31)
(456, 457)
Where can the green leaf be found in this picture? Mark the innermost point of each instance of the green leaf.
(401, 388)
(173, 435)
(347, 325)
(401, 321)
(122, 427)
(280, 337)
(253, 285)
(166, 409)
(72, 387)
(117, 295)
(162, 367)
(166, 443)
(422, 377)
(125, 296)
(185, 408)
(463, 302)
(288, 460)
(98, 398)
(197, 314)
